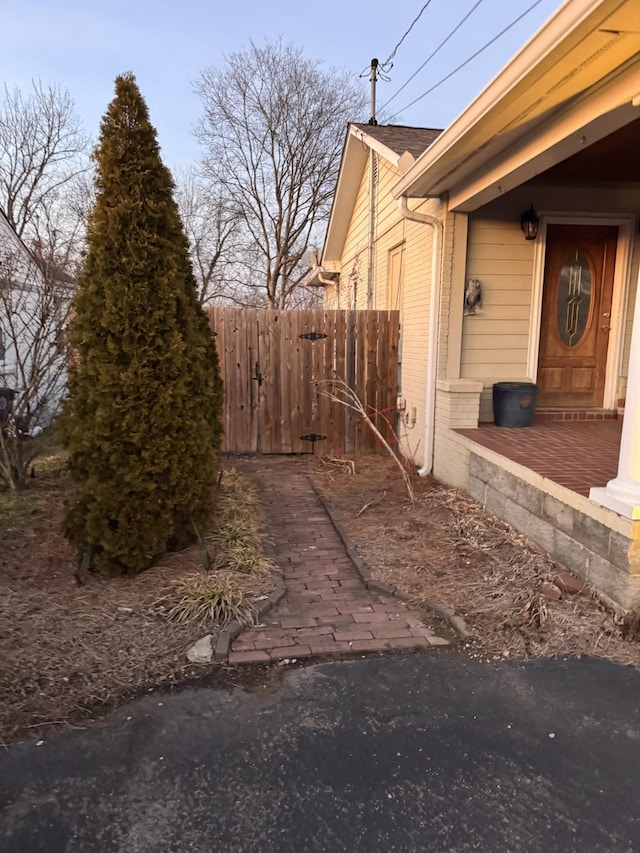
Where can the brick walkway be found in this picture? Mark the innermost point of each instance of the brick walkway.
(327, 610)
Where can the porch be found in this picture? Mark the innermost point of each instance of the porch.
(576, 454)
(538, 479)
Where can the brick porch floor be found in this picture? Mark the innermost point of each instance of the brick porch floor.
(327, 610)
(575, 454)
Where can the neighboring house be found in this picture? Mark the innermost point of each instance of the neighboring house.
(33, 308)
(555, 134)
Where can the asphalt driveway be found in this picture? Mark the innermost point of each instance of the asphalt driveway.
(416, 752)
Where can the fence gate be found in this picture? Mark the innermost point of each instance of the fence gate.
(273, 361)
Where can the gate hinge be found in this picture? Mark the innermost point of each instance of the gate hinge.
(313, 437)
(313, 336)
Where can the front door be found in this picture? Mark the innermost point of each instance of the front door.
(576, 315)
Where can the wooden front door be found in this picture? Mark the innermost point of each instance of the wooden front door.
(576, 315)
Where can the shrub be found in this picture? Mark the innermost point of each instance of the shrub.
(142, 419)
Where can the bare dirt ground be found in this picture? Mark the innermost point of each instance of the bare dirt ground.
(448, 548)
(68, 649)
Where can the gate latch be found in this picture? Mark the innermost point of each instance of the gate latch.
(258, 377)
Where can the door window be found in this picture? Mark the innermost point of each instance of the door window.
(574, 298)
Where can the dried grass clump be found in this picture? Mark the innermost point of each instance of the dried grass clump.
(209, 600)
(238, 541)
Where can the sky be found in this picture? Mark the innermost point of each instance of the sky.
(83, 44)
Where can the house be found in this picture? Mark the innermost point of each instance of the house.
(33, 305)
(529, 203)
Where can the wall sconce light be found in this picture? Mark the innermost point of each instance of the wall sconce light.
(529, 224)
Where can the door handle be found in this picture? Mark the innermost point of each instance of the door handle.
(605, 328)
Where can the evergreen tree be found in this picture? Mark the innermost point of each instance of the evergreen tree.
(142, 419)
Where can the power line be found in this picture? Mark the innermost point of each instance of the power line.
(467, 61)
(437, 50)
(413, 23)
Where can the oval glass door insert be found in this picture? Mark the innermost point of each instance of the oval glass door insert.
(574, 298)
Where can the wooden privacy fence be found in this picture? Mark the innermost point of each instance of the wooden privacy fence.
(272, 362)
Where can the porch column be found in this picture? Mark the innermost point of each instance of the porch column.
(623, 493)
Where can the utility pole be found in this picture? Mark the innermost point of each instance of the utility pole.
(373, 79)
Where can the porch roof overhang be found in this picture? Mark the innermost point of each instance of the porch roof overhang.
(575, 82)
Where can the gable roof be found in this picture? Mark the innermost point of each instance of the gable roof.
(576, 81)
(395, 143)
(394, 139)
(7, 233)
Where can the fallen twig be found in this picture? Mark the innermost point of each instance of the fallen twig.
(372, 503)
(338, 391)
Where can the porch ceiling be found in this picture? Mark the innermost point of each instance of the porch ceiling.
(614, 159)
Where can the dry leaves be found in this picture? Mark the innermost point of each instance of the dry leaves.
(448, 548)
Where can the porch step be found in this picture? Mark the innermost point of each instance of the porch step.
(575, 415)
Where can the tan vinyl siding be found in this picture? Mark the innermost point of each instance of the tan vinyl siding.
(353, 277)
(415, 336)
(392, 231)
(495, 339)
(330, 297)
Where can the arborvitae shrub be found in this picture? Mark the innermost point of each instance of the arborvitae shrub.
(143, 417)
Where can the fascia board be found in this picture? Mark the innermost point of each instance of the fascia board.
(562, 134)
(391, 156)
(561, 27)
(354, 159)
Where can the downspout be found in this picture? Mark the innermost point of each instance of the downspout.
(434, 311)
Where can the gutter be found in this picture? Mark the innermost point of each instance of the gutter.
(440, 158)
(434, 311)
(319, 276)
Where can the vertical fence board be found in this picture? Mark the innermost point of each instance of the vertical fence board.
(361, 429)
(372, 407)
(339, 363)
(287, 391)
(296, 407)
(269, 337)
(390, 379)
(307, 387)
(317, 357)
(351, 358)
(361, 348)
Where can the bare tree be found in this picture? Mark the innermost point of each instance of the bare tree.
(273, 131)
(42, 147)
(44, 198)
(34, 301)
(211, 224)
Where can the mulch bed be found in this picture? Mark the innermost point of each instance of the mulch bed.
(67, 650)
(446, 547)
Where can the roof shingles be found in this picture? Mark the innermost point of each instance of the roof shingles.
(399, 138)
